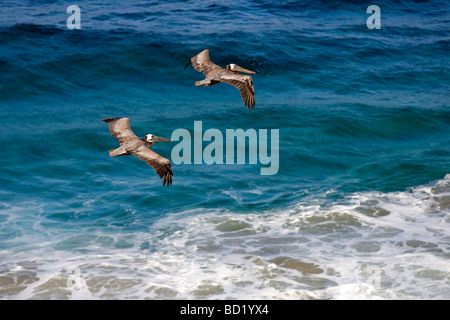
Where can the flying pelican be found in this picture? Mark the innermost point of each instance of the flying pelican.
(131, 144)
(215, 74)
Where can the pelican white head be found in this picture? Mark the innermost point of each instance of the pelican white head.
(236, 68)
(152, 138)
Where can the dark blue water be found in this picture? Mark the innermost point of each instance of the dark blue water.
(364, 150)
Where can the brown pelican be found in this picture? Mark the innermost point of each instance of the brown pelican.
(131, 144)
(215, 74)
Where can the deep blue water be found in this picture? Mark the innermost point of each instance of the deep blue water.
(364, 150)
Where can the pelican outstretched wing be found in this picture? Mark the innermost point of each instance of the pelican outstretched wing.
(161, 165)
(120, 129)
(244, 84)
(202, 63)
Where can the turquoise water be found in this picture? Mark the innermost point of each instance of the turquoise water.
(359, 207)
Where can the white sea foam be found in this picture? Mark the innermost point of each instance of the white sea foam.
(369, 246)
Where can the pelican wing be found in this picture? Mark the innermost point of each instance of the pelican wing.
(120, 129)
(161, 165)
(202, 63)
(244, 84)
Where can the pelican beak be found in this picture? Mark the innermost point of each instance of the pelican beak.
(159, 139)
(237, 68)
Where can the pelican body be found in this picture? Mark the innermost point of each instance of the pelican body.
(130, 144)
(215, 74)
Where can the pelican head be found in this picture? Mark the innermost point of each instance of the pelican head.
(236, 68)
(152, 138)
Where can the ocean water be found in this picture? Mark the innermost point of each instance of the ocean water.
(360, 205)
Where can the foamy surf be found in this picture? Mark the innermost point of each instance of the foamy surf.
(370, 245)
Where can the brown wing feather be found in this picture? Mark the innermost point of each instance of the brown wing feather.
(202, 63)
(161, 165)
(120, 129)
(244, 84)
